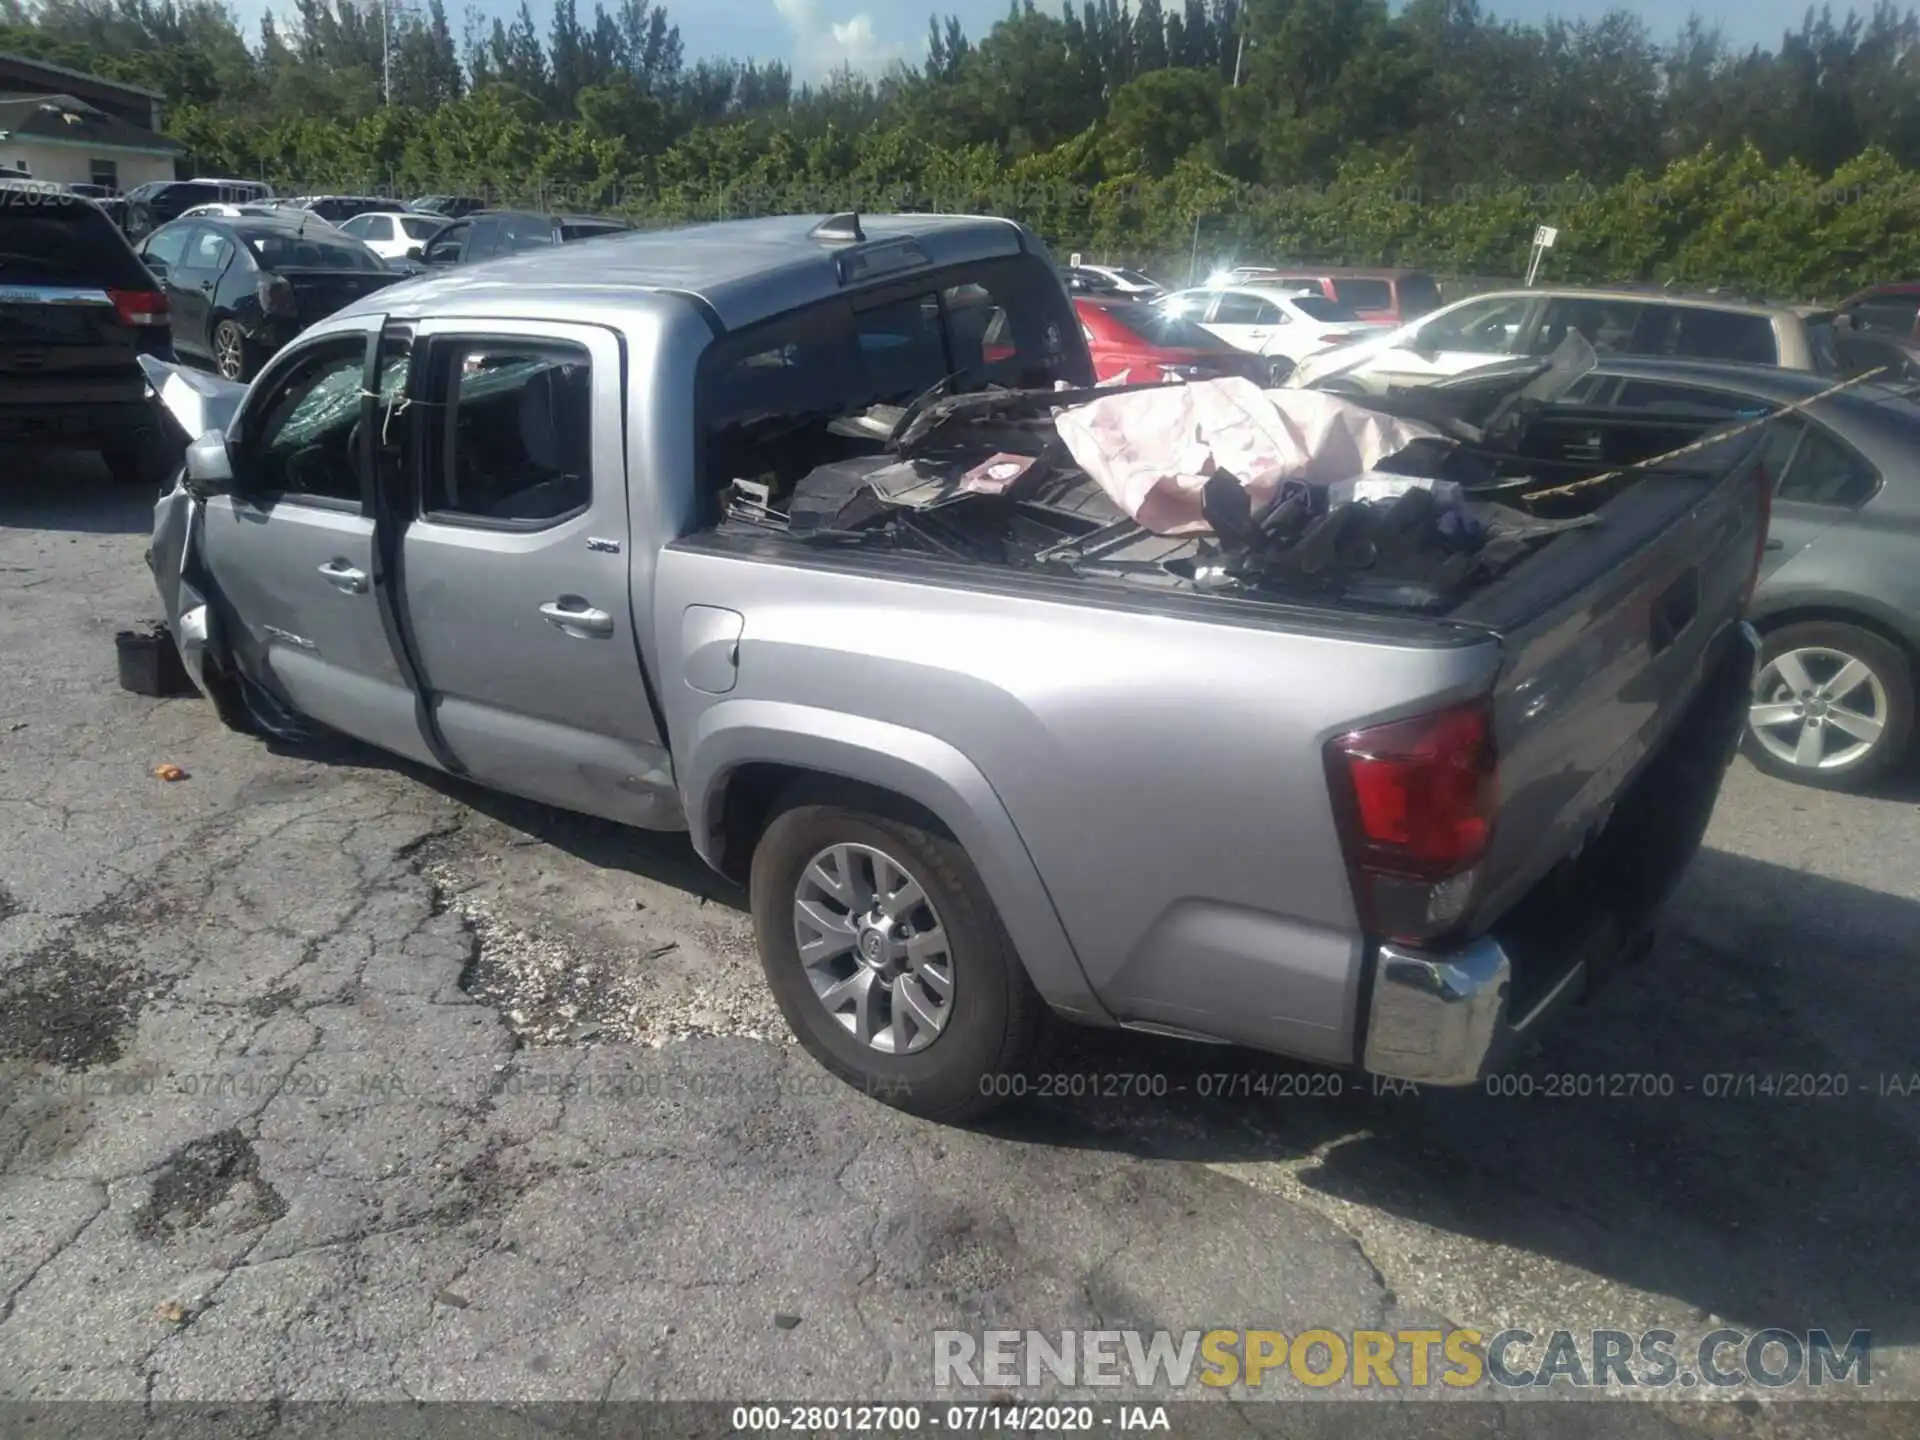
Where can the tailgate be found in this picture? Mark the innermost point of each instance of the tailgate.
(1607, 634)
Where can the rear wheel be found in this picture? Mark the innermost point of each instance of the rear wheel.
(234, 355)
(887, 959)
(1832, 706)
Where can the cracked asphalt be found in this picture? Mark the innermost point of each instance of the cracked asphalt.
(325, 1079)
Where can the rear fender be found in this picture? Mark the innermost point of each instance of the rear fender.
(920, 767)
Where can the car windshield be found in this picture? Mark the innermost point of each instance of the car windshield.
(1318, 307)
(277, 250)
(1164, 329)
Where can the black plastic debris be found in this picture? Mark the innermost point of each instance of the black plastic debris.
(150, 662)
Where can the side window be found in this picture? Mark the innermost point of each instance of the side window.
(1488, 327)
(209, 250)
(167, 247)
(1189, 304)
(525, 232)
(1887, 314)
(485, 241)
(515, 438)
(1606, 325)
(301, 447)
(1825, 471)
(1241, 310)
(1659, 398)
(445, 249)
(1694, 332)
(378, 227)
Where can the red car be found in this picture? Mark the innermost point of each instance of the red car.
(1147, 344)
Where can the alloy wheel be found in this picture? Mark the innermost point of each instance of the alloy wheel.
(1817, 708)
(228, 356)
(874, 949)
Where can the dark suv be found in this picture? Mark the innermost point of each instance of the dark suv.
(77, 310)
(152, 205)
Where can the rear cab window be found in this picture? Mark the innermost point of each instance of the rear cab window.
(767, 395)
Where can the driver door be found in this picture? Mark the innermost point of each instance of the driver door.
(291, 551)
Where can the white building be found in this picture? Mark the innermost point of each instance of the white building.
(68, 128)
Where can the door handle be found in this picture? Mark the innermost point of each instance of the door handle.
(579, 619)
(344, 577)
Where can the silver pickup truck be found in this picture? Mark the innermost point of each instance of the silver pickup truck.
(539, 523)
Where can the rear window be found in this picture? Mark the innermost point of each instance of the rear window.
(1003, 322)
(587, 230)
(1318, 307)
(1364, 294)
(309, 252)
(1168, 331)
(1133, 277)
(60, 240)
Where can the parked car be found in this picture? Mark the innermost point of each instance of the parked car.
(1146, 342)
(1131, 283)
(225, 211)
(1895, 358)
(1388, 297)
(453, 207)
(395, 234)
(160, 202)
(489, 233)
(1838, 601)
(961, 786)
(241, 288)
(1271, 320)
(1486, 329)
(77, 310)
(338, 209)
(111, 202)
(242, 191)
(1884, 310)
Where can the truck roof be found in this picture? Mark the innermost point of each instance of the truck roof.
(741, 271)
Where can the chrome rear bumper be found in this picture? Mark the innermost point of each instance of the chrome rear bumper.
(1446, 1020)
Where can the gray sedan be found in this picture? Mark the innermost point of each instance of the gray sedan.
(1838, 600)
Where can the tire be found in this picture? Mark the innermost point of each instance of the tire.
(993, 1018)
(235, 357)
(1819, 653)
(142, 460)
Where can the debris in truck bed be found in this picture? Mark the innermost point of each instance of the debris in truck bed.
(1215, 486)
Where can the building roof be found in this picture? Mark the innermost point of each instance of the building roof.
(65, 119)
(10, 61)
(743, 271)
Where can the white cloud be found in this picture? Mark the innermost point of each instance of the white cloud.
(821, 46)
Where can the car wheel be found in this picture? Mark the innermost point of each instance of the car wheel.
(234, 356)
(889, 962)
(1832, 705)
(140, 461)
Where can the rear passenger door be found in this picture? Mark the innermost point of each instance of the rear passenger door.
(1819, 481)
(514, 568)
(1245, 321)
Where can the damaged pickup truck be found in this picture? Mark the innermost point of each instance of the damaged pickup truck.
(1366, 732)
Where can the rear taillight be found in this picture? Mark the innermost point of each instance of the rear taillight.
(1416, 800)
(139, 307)
(1764, 482)
(276, 295)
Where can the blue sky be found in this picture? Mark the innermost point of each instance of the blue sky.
(816, 35)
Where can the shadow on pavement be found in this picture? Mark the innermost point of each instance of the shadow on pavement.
(1775, 1200)
(668, 858)
(68, 490)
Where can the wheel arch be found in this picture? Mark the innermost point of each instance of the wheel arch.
(1829, 613)
(753, 759)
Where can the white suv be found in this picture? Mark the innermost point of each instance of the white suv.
(1485, 329)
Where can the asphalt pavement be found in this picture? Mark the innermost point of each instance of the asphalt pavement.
(323, 1078)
